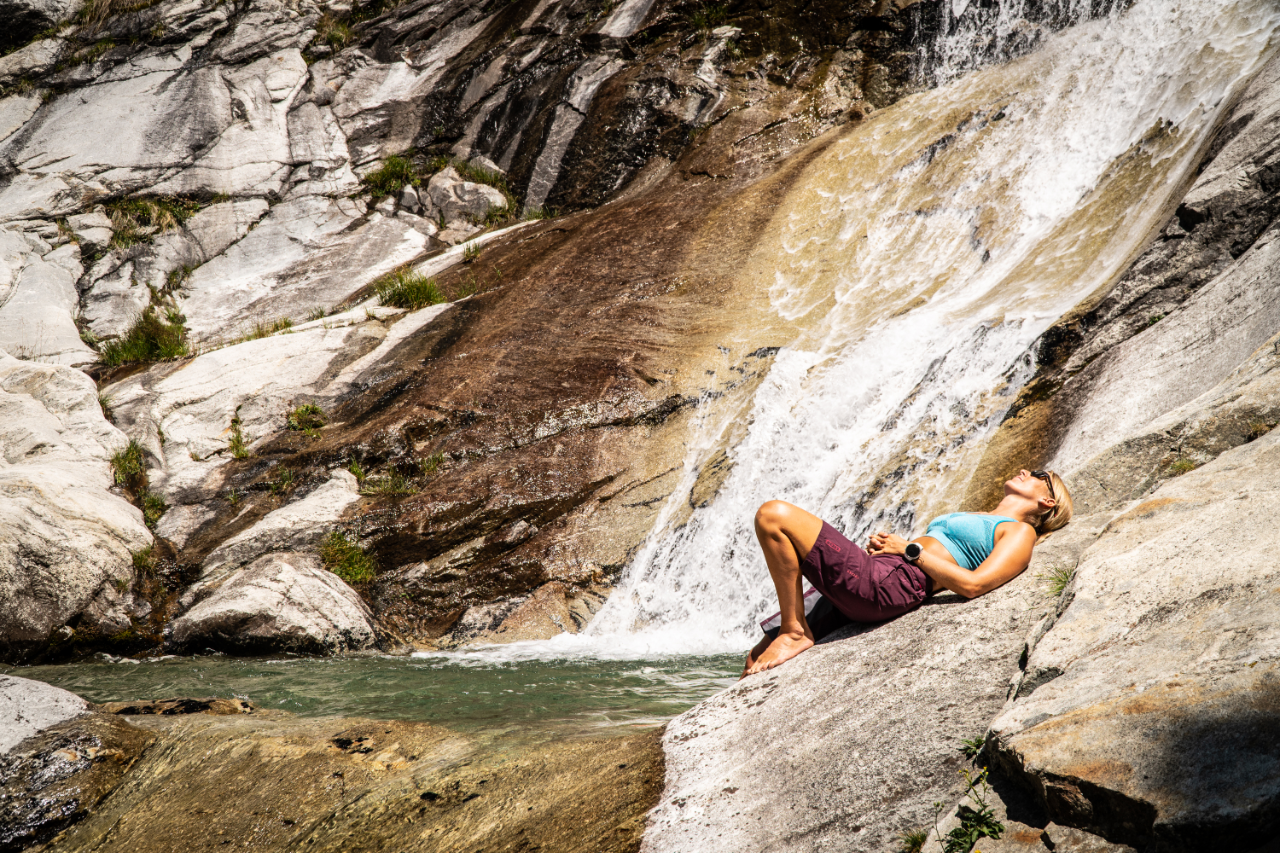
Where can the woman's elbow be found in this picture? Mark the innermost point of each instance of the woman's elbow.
(971, 589)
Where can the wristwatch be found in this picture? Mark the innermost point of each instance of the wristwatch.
(913, 551)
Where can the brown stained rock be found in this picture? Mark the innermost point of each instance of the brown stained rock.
(56, 778)
(168, 707)
(279, 783)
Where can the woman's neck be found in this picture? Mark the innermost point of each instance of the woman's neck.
(1014, 506)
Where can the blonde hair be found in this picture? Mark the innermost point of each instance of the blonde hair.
(1057, 517)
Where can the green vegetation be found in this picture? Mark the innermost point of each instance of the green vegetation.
(394, 483)
(236, 443)
(347, 559)
(975, 823)
(283, 481)
(470, 252)
(127, 467)
(136, 220)
(96, 11)
(356, 470)
(234, 496)
(1181, 466)
(334, 31)
(391, 176)
(912, 841)
(404, 288)
(144, 562)
(306, 418)
(972, 747)
(1056, 580)
(153, 506)
(431, 464)
(1257, 429)
(707, 17)
(150, 338)
(176, 278)
(263, 329)
(541, 213)
(104, 402)
(1154, 318)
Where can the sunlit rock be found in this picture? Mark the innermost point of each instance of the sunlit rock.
(29, 707)
(66, 542)
(38, 300)
(280, 602)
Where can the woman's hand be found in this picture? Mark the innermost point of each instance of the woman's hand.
(887, 543)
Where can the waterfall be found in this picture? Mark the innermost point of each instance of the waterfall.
(917, 260)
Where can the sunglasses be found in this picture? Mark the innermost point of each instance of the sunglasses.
(1048, 481)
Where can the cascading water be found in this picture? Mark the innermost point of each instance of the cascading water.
(921, 256)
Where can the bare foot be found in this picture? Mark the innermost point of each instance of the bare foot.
(754, 654)
(783, 648)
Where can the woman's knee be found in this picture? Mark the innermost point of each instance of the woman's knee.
(773, 514)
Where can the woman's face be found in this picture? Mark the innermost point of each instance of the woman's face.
(1028, 486)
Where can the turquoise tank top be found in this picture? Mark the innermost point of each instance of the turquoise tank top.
(969, 537)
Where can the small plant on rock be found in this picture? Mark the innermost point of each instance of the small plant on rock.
(144, 561)
(1257, 429)
(391, 176)
(1056, 580)
(153, 506)
(347, 559)
(236, 443)
(407, 289)
(136, 220)
(234, 496)
(975, 823)
(1181, 466)
(431, 464)
(150, 338)
(972, 747)
(128, 468)
(334, 31)
(356, 470)
(283, 481)
(911, 841)
(470, 252)
(394, 483)
(306, 418)
(104, 403)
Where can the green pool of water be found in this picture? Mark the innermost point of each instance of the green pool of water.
(560, 697)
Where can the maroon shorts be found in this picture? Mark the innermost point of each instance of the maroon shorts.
(862, 586)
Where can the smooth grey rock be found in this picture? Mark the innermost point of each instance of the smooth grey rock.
(1159, 725)
(803, 757)
(281, 602)
(30, 60)
(15, 111)
(387, 207)
(409, 199)
(458, 199)
(29, 707)
(193, 402)
(38, 302)
(93, 230)
(65, 540)
(483, 162)
(297, 526)
(305, 254)
(319, 150)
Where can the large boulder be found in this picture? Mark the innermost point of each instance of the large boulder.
(58, 760)
(66, 541)
(38, 297)
(456, 198)
(280, 602)
(1148, 713)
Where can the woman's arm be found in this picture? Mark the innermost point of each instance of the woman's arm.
(1009, 558)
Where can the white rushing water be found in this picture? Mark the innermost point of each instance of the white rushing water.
(920, 258)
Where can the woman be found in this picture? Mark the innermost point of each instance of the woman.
(970, 553)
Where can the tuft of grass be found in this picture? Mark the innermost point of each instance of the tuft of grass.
(1154, 318)
(236, 443)
(262, 329)
(972, 747)
(911, 841)
(1181, 466)
(391, 176)
(176, 278)
(234, 496)
(470, 252)
(1056, 580)
(144, 561)
(706, 18)
(431, 464)
(135, 220)
(356, 470)
(541, 213)
(316, 313)
(394, 483)
(1257, 429)
(150, 338)
(283, 481)
(334, 31)
(404, 288)
(127, 467)
(104, 403)
(347, 559)
(306, 418)
(153, 506)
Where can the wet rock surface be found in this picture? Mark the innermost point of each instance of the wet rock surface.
(285, 784)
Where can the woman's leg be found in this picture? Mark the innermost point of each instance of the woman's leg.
(786, 535)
